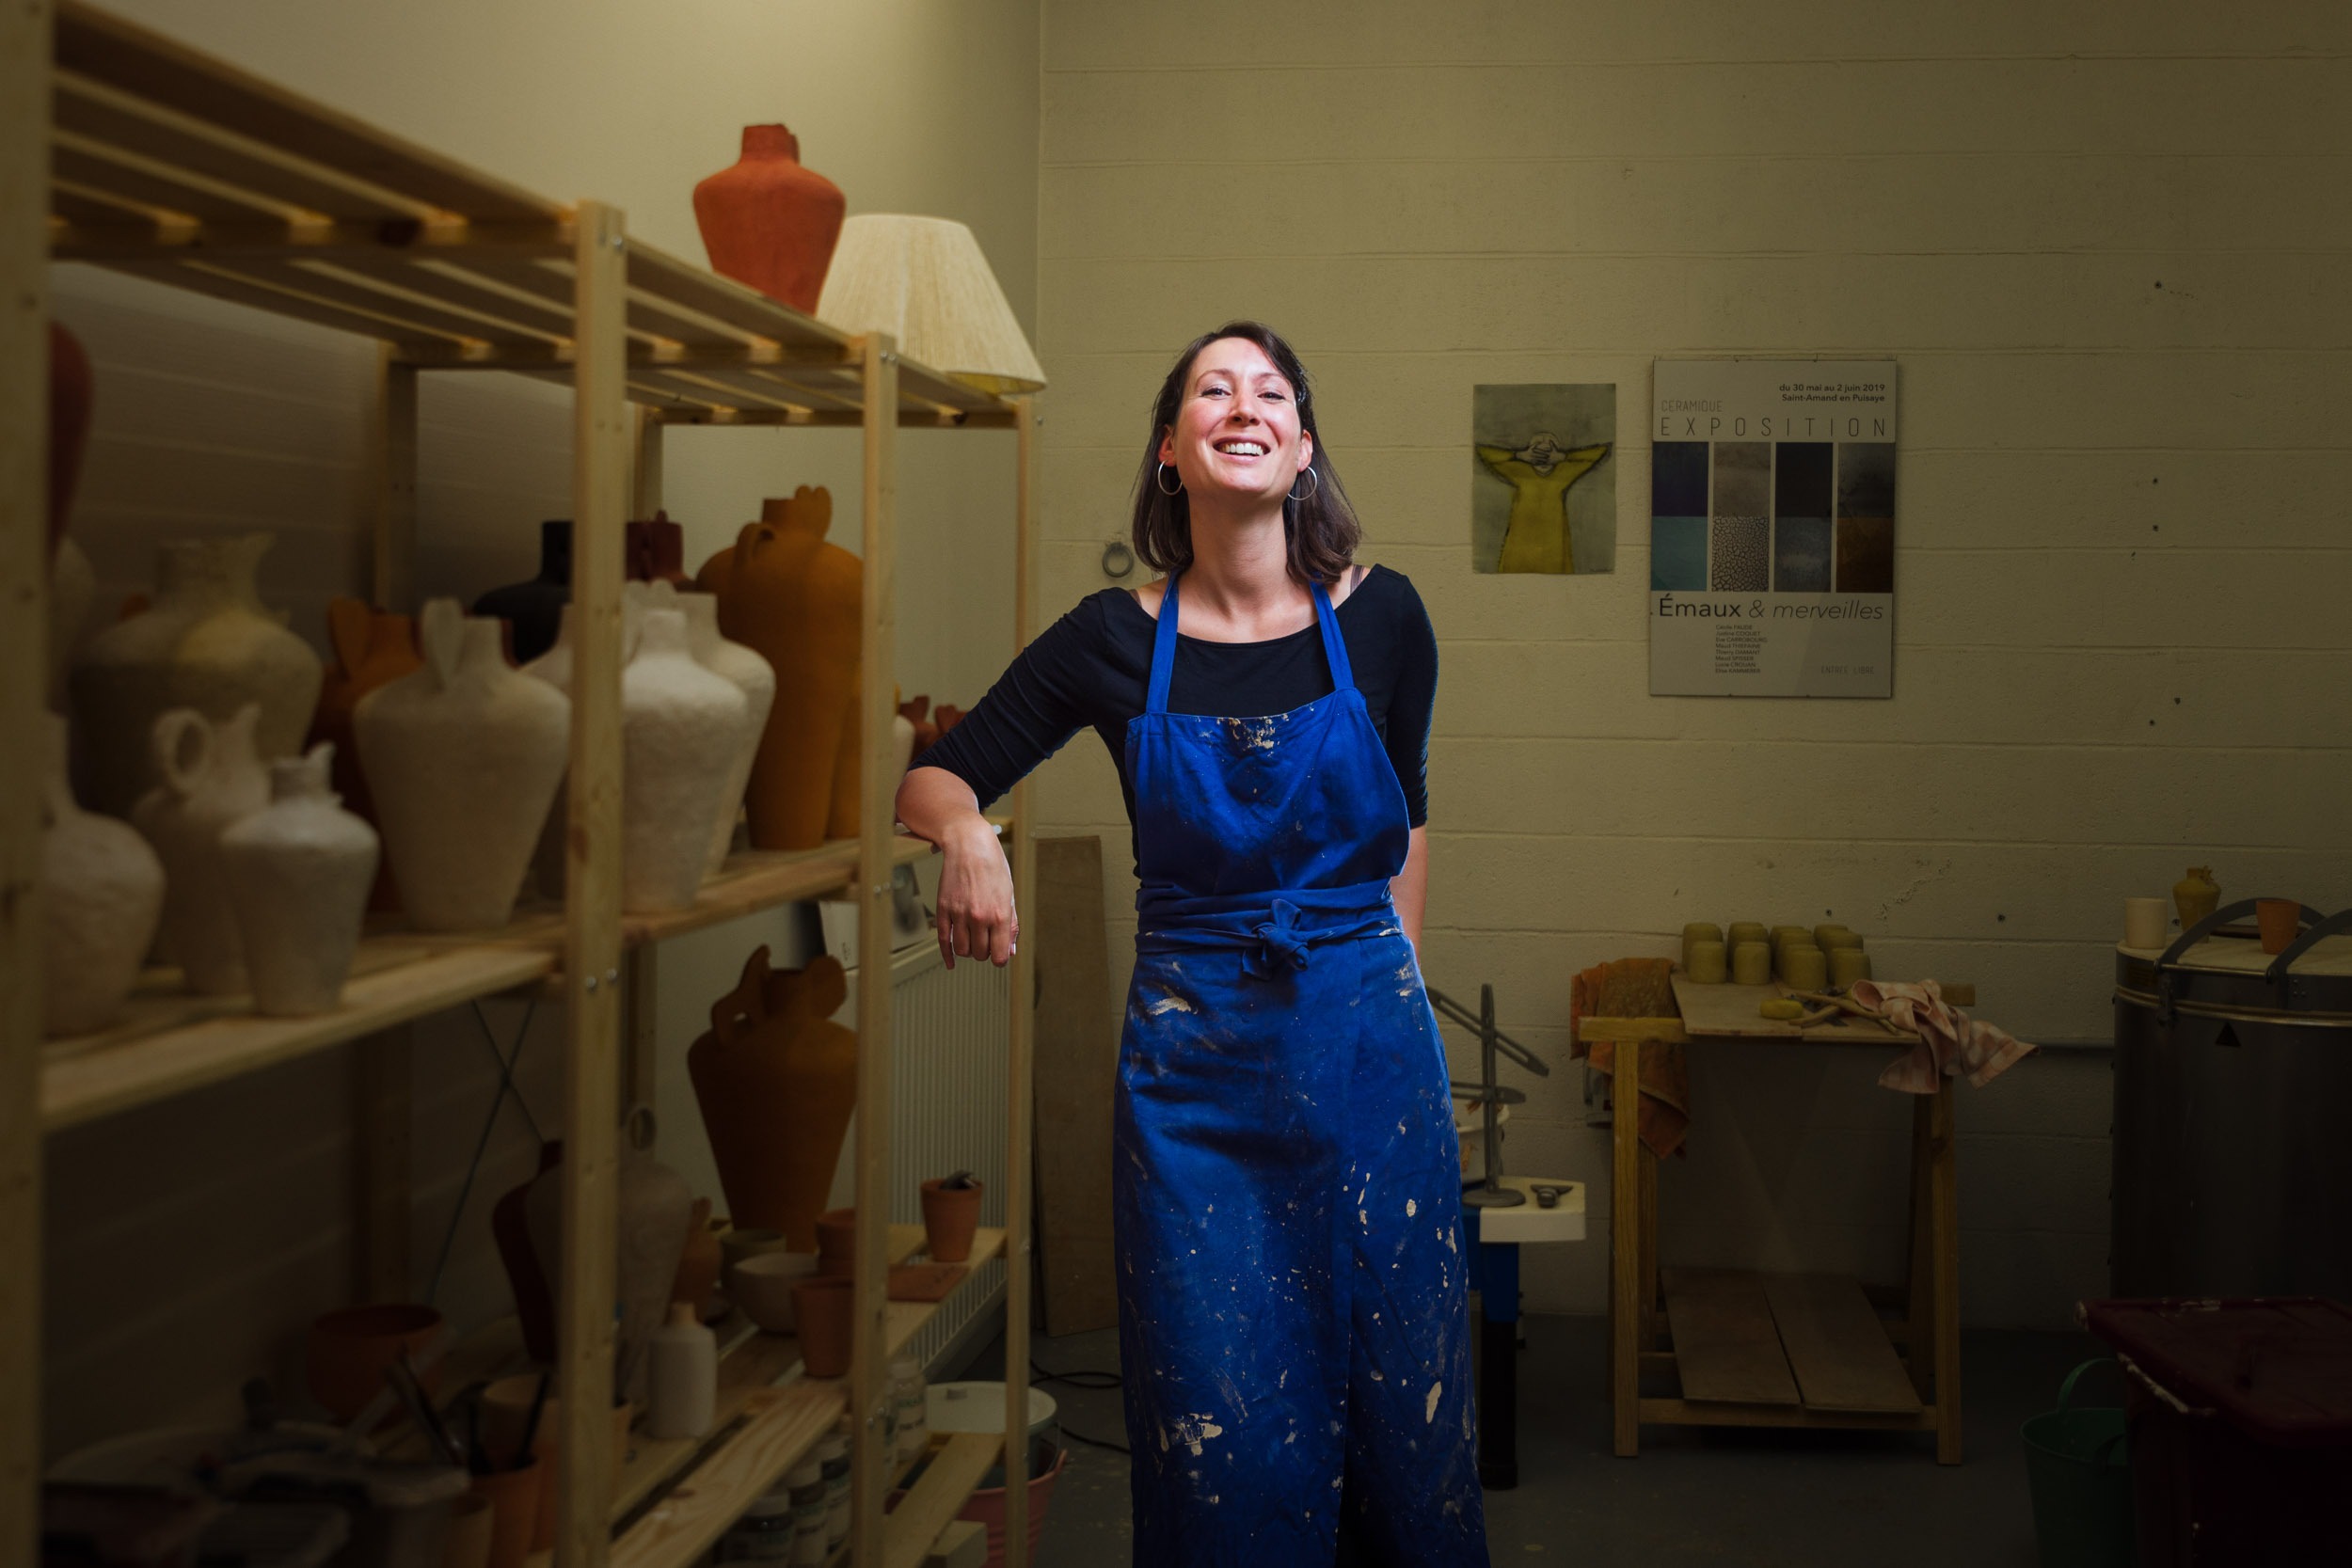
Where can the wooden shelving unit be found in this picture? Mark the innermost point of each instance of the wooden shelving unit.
(170, 166)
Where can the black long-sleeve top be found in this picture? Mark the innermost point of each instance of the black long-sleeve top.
(1093, 669)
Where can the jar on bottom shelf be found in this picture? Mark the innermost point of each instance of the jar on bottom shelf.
(832, 1459)
(763, 1534)
(908, 1409)
(807, 1483)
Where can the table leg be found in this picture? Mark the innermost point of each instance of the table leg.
(1944, 1205)
(1919, 1284)
(1625, 1249)
(1650, 1328)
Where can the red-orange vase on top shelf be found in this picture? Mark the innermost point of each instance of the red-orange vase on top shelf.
(770, 221)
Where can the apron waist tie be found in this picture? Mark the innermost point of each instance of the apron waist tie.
(1276, 931)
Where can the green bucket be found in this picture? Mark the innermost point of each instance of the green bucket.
(2079, 1468)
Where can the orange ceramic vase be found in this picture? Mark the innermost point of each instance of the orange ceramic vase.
(777, 1079)
(798, 602)
(371, 648)
(770, 222)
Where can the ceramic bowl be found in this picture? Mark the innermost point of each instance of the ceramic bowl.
(761, 1285)
(735, 1245)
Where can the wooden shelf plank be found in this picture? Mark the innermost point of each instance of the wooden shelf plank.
(939, 1495)
(1841, 1356)
(98, 1075)
(762, 879)
(1726, 1350)
(779, 1427)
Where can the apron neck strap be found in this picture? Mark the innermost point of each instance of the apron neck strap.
(1164, 649)
(1334, 645)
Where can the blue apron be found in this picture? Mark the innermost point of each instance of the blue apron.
(1292, 1314)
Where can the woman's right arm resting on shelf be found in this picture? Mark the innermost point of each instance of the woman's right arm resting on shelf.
(976, 919)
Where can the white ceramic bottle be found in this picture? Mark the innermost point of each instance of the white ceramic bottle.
(102, 891)
(299, 872)
(206, 643)
(211, 780)
(685, 1376)
(756, 679)
(681, 732)
(464, 756)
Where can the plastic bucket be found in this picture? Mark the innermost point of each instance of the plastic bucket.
(2079, 1468)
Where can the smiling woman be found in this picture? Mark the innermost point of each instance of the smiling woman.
(1293, 1317)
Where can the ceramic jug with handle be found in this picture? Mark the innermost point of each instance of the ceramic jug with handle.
(211, 780)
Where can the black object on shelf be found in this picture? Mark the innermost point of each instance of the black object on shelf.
(535, 610)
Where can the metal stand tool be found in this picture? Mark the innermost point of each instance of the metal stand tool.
(1490, 1193)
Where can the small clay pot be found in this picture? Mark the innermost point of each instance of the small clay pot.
(472, 1520)
(836, 1239)
(950, 1215)
(2280, 920)
(761, 1285)
(1705, 963)
(1751, 964)
(506, 1411)
(513, 1510)
(823, 1306)
(349, 1350)
(1848, 965)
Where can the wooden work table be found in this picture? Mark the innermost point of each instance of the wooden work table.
(1751, 1349)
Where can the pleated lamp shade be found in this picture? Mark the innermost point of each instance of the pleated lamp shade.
(924, 282)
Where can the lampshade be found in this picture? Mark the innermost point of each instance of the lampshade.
(924, 282)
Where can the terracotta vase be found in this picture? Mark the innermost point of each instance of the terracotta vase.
(205, 642)
(681, 731)
(212, 780)
(950, 1216)
(776, 1080)
(2196, 895)
(299, 872)
(918, 713)
(72, 588)
(655, 1208)
(533, 609)
(464, 755)
(797, 602)
(655, 551)
(515, 1508)
(510, 1228)
(70, 398)
(824, 1314)
(2281, 920)
(372, 648)
(836, 1241)
(102, 893)
(752, 676)
(349, 1350)
(698, 1262)
(770, 222)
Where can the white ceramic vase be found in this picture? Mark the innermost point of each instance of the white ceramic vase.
(104, 892)
(464, 756)
(653, 1211)
(548, 861)
(207, 643)
(298, 874)
(681, 735)
(752, 676)
(212, 779)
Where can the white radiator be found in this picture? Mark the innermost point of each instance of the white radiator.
(949, 1032)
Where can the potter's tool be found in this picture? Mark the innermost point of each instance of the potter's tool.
(1838, 1002)
(1490, 1193)
(1547, 1196)
(1788, 1009)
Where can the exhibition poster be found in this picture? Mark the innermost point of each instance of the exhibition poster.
(1772, 528)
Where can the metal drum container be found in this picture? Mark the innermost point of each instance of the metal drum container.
(2234, 1113)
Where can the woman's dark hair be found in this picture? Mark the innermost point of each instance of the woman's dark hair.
(1322, 529)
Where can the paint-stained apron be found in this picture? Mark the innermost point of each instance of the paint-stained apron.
(1294, 1323)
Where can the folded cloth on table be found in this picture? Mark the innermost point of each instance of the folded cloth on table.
(1638, 988)
(1951, 1042)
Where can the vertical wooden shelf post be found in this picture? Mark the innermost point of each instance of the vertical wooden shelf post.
(869, 1370)
(1020, 1108)
(592, 948)
(24, 44)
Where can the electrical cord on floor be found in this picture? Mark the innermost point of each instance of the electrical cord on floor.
(1098, 1381)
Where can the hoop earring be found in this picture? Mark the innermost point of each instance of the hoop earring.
(1314, 483)
(1159, 478)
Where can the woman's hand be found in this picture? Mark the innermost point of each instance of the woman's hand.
(976, 919)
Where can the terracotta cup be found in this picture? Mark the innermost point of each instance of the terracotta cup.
(472, 1520)
(836, 1241)
(506, 1411)
(824, 1305)
(350, 1349)
(2280, 919)
(513, 1512)
(950, 1215)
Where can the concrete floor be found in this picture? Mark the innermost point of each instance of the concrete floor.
(1693, 1497)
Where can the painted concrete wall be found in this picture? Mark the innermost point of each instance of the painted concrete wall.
(191, 1240)
(2095, 240)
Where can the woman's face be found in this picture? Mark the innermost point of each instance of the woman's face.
(1236, 433)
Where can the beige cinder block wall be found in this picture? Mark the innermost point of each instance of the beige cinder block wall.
(189, 1242)
(2097, 240)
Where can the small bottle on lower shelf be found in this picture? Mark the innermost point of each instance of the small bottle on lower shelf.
(684, 1375)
